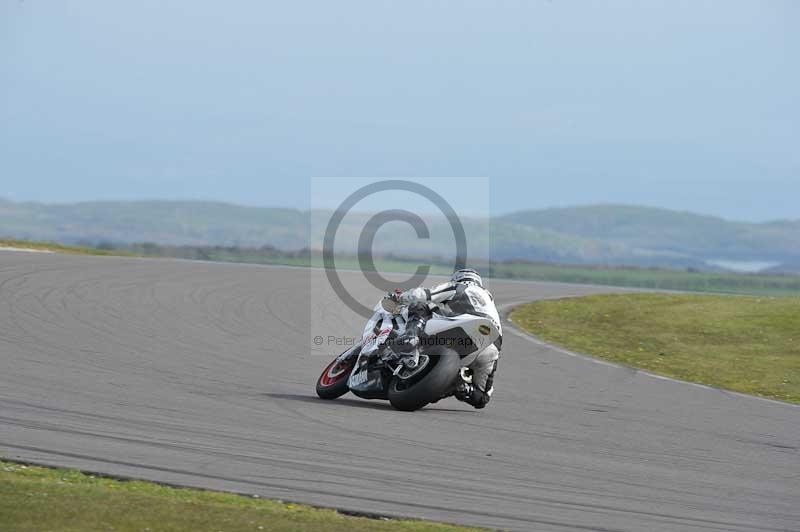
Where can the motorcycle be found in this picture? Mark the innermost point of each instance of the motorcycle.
(374, 369)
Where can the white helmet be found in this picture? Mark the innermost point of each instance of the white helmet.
(467, 276)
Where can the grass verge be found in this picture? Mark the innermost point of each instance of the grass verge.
(745, 344)
(39, 499)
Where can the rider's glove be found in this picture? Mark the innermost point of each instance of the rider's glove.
(410, 296)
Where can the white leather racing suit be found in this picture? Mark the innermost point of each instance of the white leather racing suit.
(453, 298)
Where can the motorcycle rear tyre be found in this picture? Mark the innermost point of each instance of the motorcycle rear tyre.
(428, 388)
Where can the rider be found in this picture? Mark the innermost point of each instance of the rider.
(463, 294)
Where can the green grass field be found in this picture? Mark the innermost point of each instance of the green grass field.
(656, 279)
(36, 499)
(746, 344)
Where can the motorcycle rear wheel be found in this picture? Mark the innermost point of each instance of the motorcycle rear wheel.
(431, 386)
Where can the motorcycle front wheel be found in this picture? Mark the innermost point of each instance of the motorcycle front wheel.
(430, 385)
(332, 384)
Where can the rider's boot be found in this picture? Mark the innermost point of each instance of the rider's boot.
(472, 394)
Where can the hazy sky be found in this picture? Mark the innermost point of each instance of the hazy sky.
(691, 105)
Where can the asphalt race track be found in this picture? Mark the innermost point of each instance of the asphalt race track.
(203, 374)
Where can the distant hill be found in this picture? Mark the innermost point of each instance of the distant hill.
(597, 234)
(163, 222)
(663, 232)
